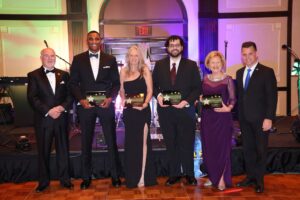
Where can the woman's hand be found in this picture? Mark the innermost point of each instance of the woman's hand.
(145, 105)
(224, 108)
(201, 98)
(122, 103)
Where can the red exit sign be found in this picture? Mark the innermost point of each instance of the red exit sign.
(143, 30)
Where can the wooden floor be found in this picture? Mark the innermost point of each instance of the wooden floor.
(278, 186)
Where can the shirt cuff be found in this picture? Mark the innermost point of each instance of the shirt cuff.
(159, 94)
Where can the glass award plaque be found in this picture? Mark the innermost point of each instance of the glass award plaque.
(171, 97)
(134, 100)
(95, 97)
(212, 101)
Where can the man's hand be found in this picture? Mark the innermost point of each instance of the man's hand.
(106, 102)
(160, 99)
(85, 104)
(181, 105)
(60, 108)
(54, 113)
(267, 124)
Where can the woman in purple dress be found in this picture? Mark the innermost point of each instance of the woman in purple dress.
(216, 123)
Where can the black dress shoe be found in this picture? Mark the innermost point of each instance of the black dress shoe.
(67, 185)
(246, 182)
(116, 182)
(85, 184)
(41, 188)
(190, 180)
(172, 180)
(259, 189)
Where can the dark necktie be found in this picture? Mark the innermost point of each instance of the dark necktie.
(173, 74)
(50, 71)
(93, 55)
(247, 79)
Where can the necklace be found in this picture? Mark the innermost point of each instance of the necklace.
(210, 77)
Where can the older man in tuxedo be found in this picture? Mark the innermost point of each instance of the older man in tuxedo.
(95, 71)
(49, 97)
(178, 121)
(257, 100)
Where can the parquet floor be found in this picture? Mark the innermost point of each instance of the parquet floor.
(278, 186)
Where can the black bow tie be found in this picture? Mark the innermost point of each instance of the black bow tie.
(50, 71)
(93, 55)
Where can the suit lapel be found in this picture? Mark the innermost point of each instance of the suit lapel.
(102, 61)
(87, 60)
(167, 71)
(58, 79)
(240, 78)
(180, 70)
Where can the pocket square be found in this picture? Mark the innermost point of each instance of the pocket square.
(106, 67)
(62, 82)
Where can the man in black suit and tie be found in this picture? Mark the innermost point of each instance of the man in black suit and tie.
(49, 97)
(94, 70)
(177, 122)
(257, 100)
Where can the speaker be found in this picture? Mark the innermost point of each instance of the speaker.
(295, 129)
(23, 111)
(6, 116)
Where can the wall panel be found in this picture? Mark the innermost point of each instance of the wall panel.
(21, 42)
(252, 5)
(33, 7)
(268, 33)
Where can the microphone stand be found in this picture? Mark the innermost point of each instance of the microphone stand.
(225, 43)
(297, 72)
(63, 60)
(225, 53)
(295, 129)
(57, 55)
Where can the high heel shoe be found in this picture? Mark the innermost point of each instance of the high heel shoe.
(221, 188)
(141, 184)
(207, 183)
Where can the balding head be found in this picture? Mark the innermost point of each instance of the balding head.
(48, 58)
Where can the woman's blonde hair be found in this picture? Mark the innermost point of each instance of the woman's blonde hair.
(141, 62)
(215, 54)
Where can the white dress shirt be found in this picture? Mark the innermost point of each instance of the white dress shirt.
(95, 64)
(177, 61)
(246, 71)
(51, 79)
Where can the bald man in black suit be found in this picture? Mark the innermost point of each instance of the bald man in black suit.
(50, 99)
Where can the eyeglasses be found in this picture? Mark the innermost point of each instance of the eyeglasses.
(174, 45)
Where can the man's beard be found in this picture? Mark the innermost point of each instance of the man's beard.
(175, 53)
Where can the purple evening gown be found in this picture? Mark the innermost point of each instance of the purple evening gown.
(216, 131)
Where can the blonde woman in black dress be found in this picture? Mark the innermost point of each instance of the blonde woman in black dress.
(136, 78)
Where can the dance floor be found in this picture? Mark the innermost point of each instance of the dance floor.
(277, 187)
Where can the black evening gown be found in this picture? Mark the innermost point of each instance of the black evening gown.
(135, 121)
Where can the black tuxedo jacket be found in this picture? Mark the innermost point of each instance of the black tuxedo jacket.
(82, 78)
(41, 96)
(259, 101)
(188, 81)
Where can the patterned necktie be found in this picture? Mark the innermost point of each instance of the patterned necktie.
(173, 74)
(247, 79)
